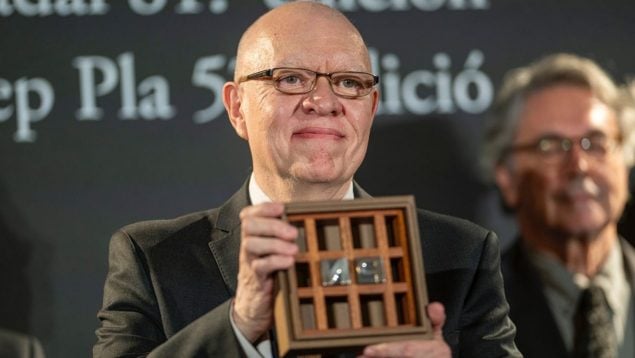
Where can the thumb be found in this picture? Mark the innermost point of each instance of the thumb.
(436, 313)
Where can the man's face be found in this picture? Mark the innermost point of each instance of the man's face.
(315, 137)
(583, 192)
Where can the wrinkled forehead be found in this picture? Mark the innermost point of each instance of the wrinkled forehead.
(566, 110)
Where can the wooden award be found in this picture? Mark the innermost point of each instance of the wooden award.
(358, 277)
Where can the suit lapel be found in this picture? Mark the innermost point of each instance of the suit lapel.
(629, 261)
(358, 192)
(529, 309)
(225, 237)
(628, 253)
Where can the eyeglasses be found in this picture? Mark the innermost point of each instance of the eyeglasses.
(348, 84)
(553, 149)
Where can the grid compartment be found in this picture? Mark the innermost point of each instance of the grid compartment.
(352, 266)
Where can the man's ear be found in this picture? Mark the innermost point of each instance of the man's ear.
(507, 184)
(232, 102)
(375, 95)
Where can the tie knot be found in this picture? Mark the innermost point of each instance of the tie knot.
(592, 296)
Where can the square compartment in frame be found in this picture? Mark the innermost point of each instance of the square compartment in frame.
(335, 272)
(370, 270)
(358, 280)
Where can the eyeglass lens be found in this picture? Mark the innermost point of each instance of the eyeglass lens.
(556, 148)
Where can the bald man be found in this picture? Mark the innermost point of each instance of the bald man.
(303, 98)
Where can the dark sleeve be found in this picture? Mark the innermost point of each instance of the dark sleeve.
(131, 320)
(15, 344)
(486, 329)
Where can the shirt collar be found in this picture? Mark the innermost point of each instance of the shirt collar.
(611, 276)
(258, 196)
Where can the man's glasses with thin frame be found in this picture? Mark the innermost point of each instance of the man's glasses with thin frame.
(554, 149)
(288, 80)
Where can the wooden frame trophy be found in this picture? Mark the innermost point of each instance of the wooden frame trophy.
(358, 277)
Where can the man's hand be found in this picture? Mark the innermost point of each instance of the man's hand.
(435, 347)
(267, 245)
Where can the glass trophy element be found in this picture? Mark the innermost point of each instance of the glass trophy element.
(370, 270)
(335, 272)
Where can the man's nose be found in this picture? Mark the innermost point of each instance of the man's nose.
(577, 159)
(323, 87)
(322, 99)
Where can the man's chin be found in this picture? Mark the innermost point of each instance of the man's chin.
(584, 225)
(319, 179)
(318, 175)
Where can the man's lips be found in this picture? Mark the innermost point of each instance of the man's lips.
(580, 191)
(318, 132)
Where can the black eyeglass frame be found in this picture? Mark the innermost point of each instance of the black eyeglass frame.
(268, 74)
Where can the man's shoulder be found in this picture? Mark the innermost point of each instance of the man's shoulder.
(192, 226)
(437, 223)
(452, 241)
(15, 344)
(149, 232)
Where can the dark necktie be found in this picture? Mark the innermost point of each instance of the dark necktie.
(594, 334)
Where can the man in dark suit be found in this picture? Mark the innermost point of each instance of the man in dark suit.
(560, 145)
(304, 99)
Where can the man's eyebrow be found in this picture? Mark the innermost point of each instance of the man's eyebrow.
(557, 135)
(595, 132)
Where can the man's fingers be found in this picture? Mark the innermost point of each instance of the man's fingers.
(266, 227)
(384, 350)
(436, 313)
(267, 245)
(409, 349)
(267, 265)
(264, 221)
(259, 246)
(271, 210)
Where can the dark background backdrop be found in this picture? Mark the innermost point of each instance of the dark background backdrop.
(163, 145)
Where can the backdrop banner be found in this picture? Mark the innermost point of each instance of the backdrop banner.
(111, 112)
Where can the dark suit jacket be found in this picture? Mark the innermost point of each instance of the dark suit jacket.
(537, 334)
(170, 282)
(19, 345)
